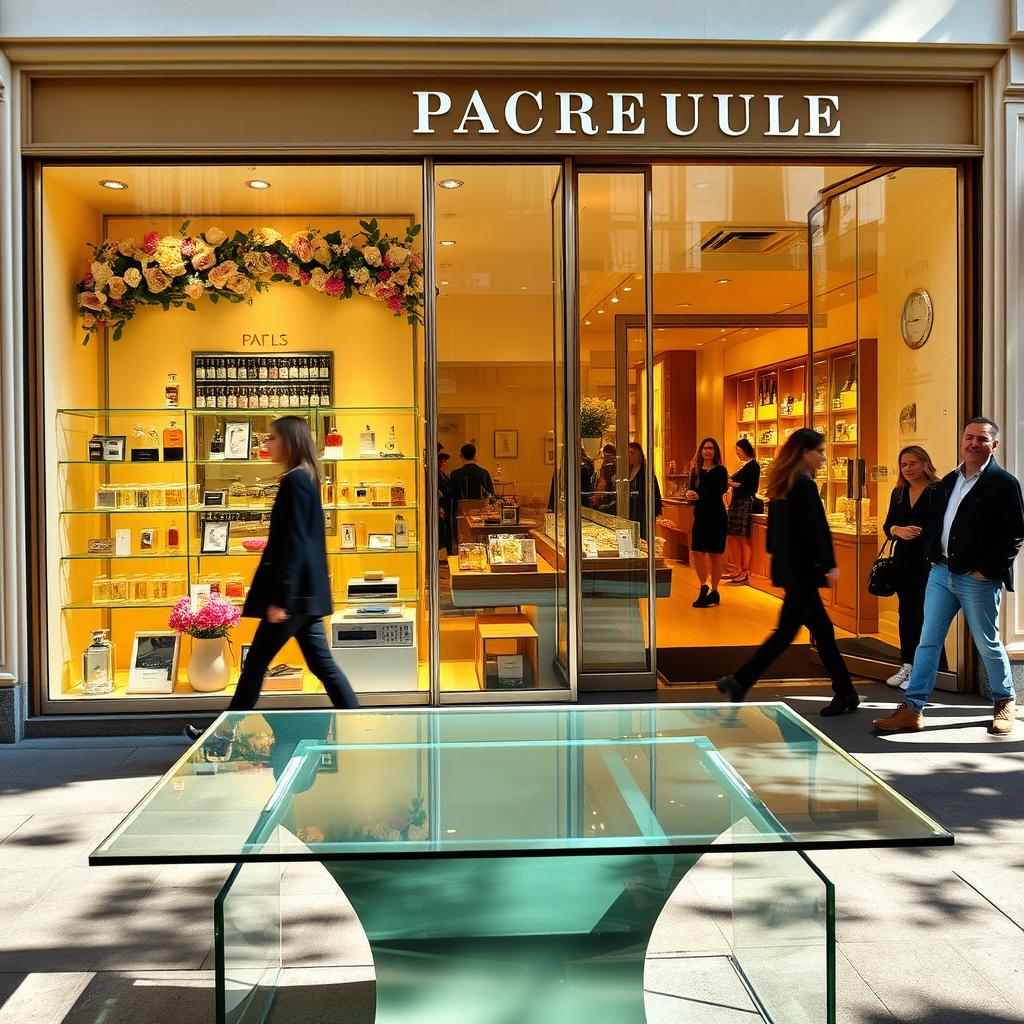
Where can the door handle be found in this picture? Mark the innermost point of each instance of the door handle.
(861, 477)
(849, 478)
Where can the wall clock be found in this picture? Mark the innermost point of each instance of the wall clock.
(918, 316)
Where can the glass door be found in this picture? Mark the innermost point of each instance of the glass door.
(884, 390)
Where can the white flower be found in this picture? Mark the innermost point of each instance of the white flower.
(372, 255)
(133, 277)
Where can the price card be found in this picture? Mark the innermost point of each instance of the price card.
(625, 542)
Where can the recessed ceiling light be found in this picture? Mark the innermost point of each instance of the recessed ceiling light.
(586, 323)
(721, 330)
(702, 185)
(258, 183)
(522, 287)
(446, 282)
(600, 311)
(682, 305)
(627, 287)
(841, 294)
(721, 280)
(114, 185)
(447, 266)
(450, 183)
(447, 241)
(615, 298)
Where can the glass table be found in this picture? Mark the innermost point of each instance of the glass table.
(510, 864)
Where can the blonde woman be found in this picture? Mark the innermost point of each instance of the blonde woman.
(803, 562)
(913, 504)
(291, 592)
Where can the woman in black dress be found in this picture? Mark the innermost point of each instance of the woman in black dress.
(445, 505)
(913, 503)
(638, 488)
(803, 561)
(709, 480)
(744, 483)
(291, 590)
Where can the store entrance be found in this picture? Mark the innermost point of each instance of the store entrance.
(785, 297)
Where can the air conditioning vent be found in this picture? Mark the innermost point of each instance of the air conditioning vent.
(759, 241)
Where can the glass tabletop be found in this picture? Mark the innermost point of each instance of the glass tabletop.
(383, 783)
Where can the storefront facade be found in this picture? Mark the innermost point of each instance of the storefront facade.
(569, 184)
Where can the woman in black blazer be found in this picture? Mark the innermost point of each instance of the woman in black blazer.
(914, 503)
(291, 592)
(709, 480)
(803, 561)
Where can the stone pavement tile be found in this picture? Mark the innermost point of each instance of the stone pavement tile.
(41, 998)
(689, 925)
(190, 876)
(23, 888)
(320, 995)
(61, 762)
(307, 878)
(856, 1003)
(11, 823)
(49, 841)
(323, 931)
(1002, 964)
(998, 879)
(148, 762)
(928, 981)
(50, 795)
(697, 990)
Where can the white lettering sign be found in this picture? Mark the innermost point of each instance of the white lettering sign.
(625, 113)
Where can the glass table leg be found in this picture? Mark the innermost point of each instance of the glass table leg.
(536, 940)
(783, 941)
(247, 943)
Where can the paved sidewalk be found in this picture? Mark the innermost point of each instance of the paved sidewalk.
(932, 936)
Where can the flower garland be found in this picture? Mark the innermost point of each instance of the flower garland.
(179, 270)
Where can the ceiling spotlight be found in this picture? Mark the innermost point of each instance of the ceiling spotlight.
(522, 288)
(450, 183)
(447, 241)
(721, 280)
(115, 186)
(600, 311)
(446, 282)
(683, 305)
(702, 185)
(627, 287)
(258, 184)
(615, 298)
(586, 323)
(447, 266)
(721, 330)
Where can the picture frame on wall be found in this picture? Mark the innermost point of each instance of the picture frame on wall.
(381, 541)
(506, 444)
(215, 537)
(154, 664)
(236, 440)
(348, 536)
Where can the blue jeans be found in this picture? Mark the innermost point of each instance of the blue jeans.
(946, 594)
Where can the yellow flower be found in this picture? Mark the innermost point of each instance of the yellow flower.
(417, 284)
(218, 277)
(116, 286)
(397, 255)
(156, 279)
(214, 236)
(321, 251)
(88, 320)
(132, 277)
(266, 236)
(129, 247)
(361, 276)
(204, 258)
(101, 273)
(168, 256)
(194, 289)
(400, 277)
(259, 263)
(238, 283)
(318, 279)
(372, 255)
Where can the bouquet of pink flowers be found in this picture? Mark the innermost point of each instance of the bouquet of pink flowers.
(210, 620)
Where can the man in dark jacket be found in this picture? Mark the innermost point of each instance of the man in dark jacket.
(972, 543)
(470, 482)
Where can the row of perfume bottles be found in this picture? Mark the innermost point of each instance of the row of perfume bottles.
(225, 368)
(294, 396)
(767, 391)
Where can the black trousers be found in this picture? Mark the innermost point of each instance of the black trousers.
(913, 580)
(270, 637)
(801, 606)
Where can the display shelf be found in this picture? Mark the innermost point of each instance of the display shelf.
(119, 462)
(191, 410)
(370, 508)
(119, 558)
(112, 606)
(267, 462)
(152, 510)
(330, 551)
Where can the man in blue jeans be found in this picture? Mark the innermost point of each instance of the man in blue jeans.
(972, 544)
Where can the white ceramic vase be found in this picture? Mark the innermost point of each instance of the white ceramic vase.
(592, 446)
(209, 668)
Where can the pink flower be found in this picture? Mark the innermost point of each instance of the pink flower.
(150, 241)
(416, 261)
(335, 285)
(302, 248)
(89, 281)
(101, 323)
(304, 276)
(384, 275)
(188, 248)
(279, 265)
(396, 304)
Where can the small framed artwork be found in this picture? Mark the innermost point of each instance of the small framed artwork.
(236, 440)
(147, 539)
(509, 515)
(380, 541)
(101, 546)
(348, 536)
(154, 664)
(327, 762)
(215, 499)
(506, 444)
(113, 447)
(215, 537)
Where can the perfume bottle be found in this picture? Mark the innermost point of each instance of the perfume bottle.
(390, 450)
(172, 392)
(334, 445)
(401, 531)
(173, 544)
(98, 664)
(145, 447)
(361, 534)
(174, 443)
(217, 444)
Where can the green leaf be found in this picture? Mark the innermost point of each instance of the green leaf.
(117, 332)
(214, 297)
(85, 339)
(415, 229)
(239, 237)
(365, 225)
(184, 226)
(190, 305)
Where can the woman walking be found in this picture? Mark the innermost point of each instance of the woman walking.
(709, 480)
(743, 483)
(290, 592)
(913, 503)
(803, 561)
(638, 488)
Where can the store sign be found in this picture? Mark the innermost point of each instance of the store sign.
(523, 112)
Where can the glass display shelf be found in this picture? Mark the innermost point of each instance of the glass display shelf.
(82, 606)
(152, 510)
(178, 410)
(119, 558)
(267, 462)
(370, 508)
(120, 462)
(330, 551)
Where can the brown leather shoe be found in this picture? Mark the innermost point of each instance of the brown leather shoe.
(903, 719)
(1002, 718)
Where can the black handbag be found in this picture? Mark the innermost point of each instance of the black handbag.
(756, 506)
(882, 577)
